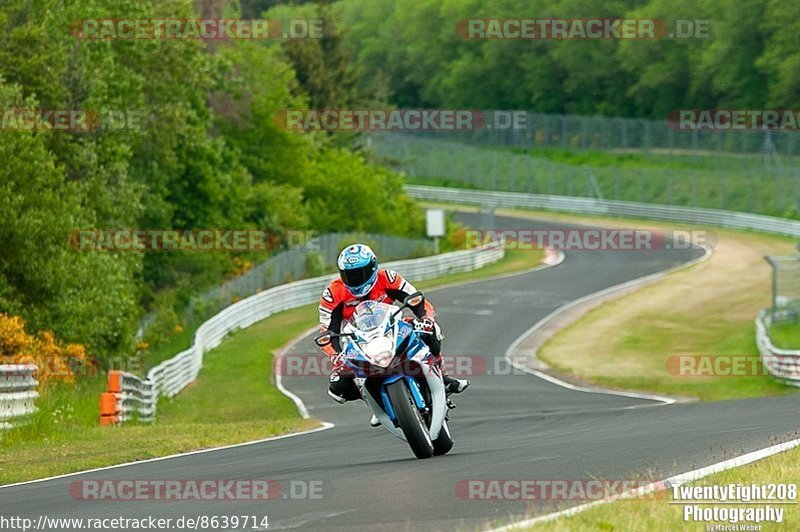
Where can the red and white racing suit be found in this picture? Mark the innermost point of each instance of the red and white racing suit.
(337, 304)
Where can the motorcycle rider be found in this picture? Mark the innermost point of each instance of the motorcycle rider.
(361, 279)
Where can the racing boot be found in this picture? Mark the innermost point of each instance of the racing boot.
(452, 385)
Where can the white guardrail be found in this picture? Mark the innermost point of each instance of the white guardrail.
(715, 217)
(781, 363)
(130, 397)
(17, 392)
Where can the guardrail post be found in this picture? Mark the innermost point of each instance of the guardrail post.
(109, 413)
(108, 409)
(114, 381)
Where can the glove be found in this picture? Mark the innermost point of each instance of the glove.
(337, 363)
(424, 325)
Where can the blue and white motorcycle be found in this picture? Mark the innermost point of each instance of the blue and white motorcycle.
(396, 375)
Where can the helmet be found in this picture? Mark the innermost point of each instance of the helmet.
(358, 268)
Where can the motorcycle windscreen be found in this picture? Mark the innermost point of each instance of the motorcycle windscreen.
(369, 315)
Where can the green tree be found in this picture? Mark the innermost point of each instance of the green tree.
(83, 297)
(780, 61)
(344, 193)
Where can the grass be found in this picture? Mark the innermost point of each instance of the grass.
(732, 182)
(657, 514)
(707, 310)
(170, 345)
(515, 260)
(655, 159)
(234, 400)
(201, 416)
(175, 342)
(785, 335)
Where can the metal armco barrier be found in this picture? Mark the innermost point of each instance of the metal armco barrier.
(715, 217)
(782, 363)
(130, 397)
(17, 392)
(126, 398)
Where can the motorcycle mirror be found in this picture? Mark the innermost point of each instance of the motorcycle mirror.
(414, 299)
(323, 339)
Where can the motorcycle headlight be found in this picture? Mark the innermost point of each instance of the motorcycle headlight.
(380, 351)
(382, 359)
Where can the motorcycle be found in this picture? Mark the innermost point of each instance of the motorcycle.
(396, 375)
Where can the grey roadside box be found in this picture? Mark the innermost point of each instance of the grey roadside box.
(487, 216)
(785, 286)
(774, 284)
(434, 225)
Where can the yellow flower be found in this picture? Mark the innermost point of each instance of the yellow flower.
(54, 361)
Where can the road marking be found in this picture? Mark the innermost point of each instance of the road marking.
(554, 259)
(304, 519)
(301, 406)
(324, 426)
(677, 480)
(541, 323)
(462, 310)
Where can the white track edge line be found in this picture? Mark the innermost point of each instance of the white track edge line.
(278, 361)
(676, 480)
(327, 425)
(627, 284)
(301, 407)
(324, 426)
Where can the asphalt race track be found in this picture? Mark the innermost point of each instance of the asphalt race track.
(505, 427)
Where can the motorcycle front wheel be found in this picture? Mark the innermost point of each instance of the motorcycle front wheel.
(444, 442)
(410, 419)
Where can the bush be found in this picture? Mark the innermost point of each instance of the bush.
(56, 362)
(314, 264)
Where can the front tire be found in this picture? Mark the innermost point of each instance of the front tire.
(444, 442)
(410, 419)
